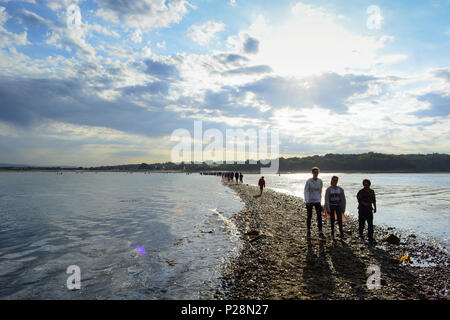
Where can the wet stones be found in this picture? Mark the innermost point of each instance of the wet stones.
(392, 239)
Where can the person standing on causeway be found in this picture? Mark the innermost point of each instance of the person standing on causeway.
(313, 197)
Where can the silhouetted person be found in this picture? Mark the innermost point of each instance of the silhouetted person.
(236, 176)
(366, 198)
(262, 185)
(313, 197)
(241, 176)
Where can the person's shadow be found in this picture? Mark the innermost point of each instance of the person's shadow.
(349, 267)
(317, 273)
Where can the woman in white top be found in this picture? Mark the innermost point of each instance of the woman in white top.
(335, 202)
(313, 196)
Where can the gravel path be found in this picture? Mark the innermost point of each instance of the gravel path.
(278, 262)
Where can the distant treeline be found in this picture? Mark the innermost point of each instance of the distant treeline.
(371, 161)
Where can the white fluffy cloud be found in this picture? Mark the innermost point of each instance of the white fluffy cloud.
(203, 33)
(143, 14)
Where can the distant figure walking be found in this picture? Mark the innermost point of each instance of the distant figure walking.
(241, 176)
(313, 197)
(335, 202)
(366, 197)
(232, 176)
(236, 175)
(262, 185)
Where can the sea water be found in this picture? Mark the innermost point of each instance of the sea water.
(132, 235)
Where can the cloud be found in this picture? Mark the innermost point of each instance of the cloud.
(203, 33)
(103, 30)
(72, 39)
(157, 87)
(249, 70)
(29, 1)
(442, 73)
(161, 69)
(226, 58)
(9, 39)
(251, 45)
(29, 102)
(56, 5)
(439, 105)
(143, 14)
(161, 45)
(29, 17)
(329, 90)
(301, 74)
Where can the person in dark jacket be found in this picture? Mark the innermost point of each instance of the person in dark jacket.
(261, 184)
(367, 206)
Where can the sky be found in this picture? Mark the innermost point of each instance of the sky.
(105, 82)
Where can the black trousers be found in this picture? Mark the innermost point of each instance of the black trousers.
(339, 217)
(309, 210)
(363, 216)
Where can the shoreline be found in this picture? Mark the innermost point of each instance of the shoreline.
(278, 262)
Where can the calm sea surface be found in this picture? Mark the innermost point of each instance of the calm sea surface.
(95, 221)
(415, 203)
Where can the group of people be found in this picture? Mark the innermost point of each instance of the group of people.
(335, 204)
(238, 176)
